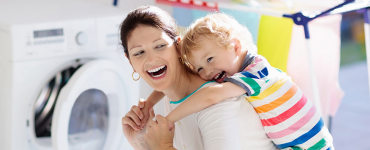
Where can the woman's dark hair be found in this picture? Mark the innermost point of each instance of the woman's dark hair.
(147, 15)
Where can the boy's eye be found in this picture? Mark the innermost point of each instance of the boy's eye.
(199, 69)
(138, 53)
(209, 59)
(160, 46)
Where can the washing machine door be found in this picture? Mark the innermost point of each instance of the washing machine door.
(90, 106)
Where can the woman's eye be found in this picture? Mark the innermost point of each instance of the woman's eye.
(138, 53)
(160, 46)
(209, 59)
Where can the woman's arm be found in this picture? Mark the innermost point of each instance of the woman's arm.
(204, 98)
(153, 99)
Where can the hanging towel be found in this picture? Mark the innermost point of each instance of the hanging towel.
(199, 14)
(325, 50)
(274, 40)
(249, 19)
(185, 16)
(182, 16)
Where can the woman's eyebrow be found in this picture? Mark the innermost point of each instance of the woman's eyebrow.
(141, 46)
(134, 47)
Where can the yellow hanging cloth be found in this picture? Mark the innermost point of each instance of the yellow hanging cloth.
(274, 35)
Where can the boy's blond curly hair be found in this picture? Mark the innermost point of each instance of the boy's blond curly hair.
(217, 27)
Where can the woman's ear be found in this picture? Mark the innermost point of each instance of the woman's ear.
(130, 63)
(178, 45)
(178, 39)
(128, 59)
(237, 47)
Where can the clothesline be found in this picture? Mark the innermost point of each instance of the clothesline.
(299, 18)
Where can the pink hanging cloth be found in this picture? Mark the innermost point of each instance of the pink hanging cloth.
(325, 50)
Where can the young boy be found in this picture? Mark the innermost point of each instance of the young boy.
(220, 49)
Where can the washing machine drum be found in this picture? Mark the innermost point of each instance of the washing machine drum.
(81, 107)
(46, 101)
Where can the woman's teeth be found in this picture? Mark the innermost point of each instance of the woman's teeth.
(159, 74)
(156, 69)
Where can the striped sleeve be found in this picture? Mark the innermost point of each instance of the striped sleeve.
(254, 79)
(249, 82)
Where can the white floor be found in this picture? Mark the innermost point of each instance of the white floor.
(351, 125)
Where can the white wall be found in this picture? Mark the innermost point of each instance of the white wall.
(129, 5)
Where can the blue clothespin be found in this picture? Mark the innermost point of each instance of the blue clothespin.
(115, 2)
(365, 12)
(366, 15)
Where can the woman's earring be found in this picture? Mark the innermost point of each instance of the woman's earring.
(182, 60)
(133, 76)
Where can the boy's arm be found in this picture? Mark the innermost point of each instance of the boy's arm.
(204, 98)
(153, 99)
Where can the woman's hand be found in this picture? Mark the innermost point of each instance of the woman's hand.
(159, 136)
(145, 111)
(131, 127)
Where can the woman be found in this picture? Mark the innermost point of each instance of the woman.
(148, 36)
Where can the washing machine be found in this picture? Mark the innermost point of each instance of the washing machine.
(64, 80)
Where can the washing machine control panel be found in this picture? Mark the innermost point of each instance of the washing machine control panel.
(44, 40)
(47, 36)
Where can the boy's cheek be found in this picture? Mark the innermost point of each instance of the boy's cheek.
(204, 77)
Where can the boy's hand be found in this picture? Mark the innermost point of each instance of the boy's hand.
(170, 125)
(145, 110)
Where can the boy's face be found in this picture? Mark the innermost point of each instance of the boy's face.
(214, 62)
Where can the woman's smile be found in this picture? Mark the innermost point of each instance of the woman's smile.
(158, 72)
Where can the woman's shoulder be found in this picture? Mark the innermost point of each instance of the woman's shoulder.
(212, 83)
(231, 104)
(207, 84)
(230, 107)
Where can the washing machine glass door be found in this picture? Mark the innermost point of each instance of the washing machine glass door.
(89, 108)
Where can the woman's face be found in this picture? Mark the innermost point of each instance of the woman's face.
(153, 55)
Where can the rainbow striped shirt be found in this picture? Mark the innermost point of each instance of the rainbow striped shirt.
(289, 118)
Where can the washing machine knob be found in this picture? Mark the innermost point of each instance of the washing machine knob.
(81, 38)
